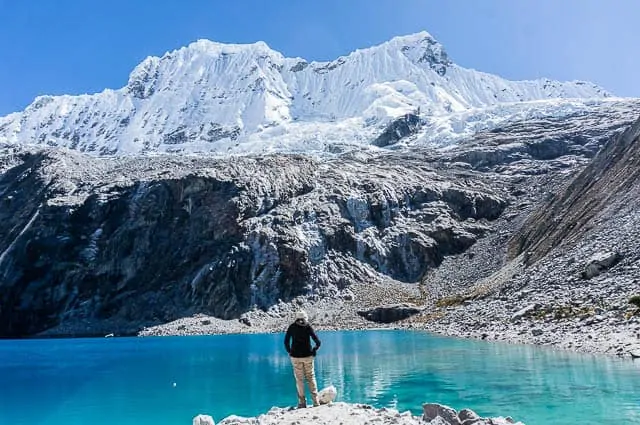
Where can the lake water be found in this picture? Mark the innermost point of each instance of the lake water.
(123, 381)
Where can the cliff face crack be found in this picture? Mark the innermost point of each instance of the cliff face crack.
(15, 240)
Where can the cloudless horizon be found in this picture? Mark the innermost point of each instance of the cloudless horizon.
(75, 46)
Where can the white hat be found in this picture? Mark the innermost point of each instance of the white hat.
(302, 315)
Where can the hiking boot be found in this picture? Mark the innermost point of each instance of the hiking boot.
(302, 403)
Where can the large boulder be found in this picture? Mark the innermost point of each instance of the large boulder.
(468, 417)
(390, 313)
(439, 414)
(599, 263)
(433, 410)
(203, 420)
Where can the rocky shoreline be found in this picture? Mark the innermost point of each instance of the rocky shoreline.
(346, 414)
(599, 334)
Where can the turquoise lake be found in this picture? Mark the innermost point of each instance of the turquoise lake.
(127, 381)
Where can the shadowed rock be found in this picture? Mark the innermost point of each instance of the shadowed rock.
(390, 313)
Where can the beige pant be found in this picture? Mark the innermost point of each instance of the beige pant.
(303, 369)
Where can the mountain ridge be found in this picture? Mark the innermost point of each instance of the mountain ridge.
(239, 98)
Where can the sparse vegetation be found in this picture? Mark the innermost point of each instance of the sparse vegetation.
(426, 318)
(478, 292)
(569, 312)
(450, 301)
(635, 300)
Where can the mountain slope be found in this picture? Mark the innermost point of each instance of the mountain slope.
(605, 192)
(101, 245)
(570, 268)
(245, 98)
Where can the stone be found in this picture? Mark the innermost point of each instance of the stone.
(244, 319)
(203, 420)
(438, 421)
(468, 416)
(347, 296)
(433, 410)
(537, 332)
(390, 313)
(525, 311)
(599, 263)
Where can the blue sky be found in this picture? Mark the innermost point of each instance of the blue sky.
(83, 46)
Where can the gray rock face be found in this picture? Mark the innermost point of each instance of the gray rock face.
(508, 148)
(612, 175)
(146, 240)
(390, 313)
(589, 219)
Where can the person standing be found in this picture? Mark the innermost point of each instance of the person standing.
(297, 342)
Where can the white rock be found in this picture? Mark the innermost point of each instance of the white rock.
(327, 395)
(203, 420)
(525, 311)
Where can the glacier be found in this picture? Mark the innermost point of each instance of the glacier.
(234, 99)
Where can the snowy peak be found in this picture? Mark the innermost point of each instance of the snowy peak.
(422, 48)
(215, 97)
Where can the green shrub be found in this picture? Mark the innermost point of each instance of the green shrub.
(635, 300)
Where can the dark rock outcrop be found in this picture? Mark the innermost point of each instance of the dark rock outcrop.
(434, 410)
(390, 313)
(398, 129)
(599, 263)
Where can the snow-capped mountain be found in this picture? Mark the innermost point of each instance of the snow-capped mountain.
(249, 98)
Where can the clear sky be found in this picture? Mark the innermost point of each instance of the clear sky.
(84, 46)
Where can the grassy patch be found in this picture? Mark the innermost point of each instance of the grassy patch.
(427, 317)
(451, 301)
(570, 312)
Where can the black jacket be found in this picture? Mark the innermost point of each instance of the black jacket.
(297, 341)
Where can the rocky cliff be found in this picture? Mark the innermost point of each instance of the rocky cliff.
(126, 242)
(604, 191)
(150, 240)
